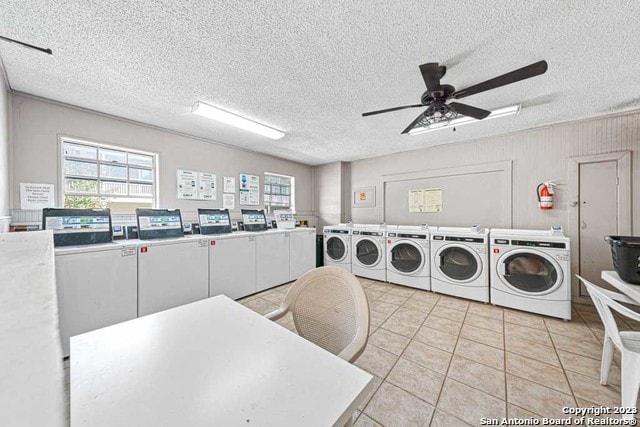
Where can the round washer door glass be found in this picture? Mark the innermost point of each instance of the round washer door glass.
(458, 263)
(336, 249)
(406, 258)
(367, 252)
(530, 272)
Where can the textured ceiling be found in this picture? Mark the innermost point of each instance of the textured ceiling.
(311, 68)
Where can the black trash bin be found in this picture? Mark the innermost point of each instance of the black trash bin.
(625, 251)
(319, 251)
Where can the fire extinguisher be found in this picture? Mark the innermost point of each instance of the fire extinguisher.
(545, 194)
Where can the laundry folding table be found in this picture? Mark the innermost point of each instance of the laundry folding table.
(210, 363)
(630, 290)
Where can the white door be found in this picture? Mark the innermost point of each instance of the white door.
(303, 252)
(232, 267)
(272, 260)
(172, 274)
(95, 289)
(597, 217)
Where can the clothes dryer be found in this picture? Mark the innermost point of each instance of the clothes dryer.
(337, 246)
(368, 248)
(461, 262)
(531, 271)
(408, 256)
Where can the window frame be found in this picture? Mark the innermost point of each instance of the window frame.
(62, 176)
(269, 207)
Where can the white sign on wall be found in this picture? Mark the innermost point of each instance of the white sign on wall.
(229, 201)
(425, 200)
(207, 186)
(36, 196)
(187, 184)
(249, 189)
(229, 184)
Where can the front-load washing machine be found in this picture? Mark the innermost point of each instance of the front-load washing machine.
(531, 271)
(461, 262)
(368, 248)
(337, 246)
(408, 259)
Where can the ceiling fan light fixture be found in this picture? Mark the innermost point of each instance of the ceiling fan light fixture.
(209, 111)
(463, 120)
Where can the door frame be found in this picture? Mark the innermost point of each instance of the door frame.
(623, 162)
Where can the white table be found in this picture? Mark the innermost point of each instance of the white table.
(210, 363)
(631, 290)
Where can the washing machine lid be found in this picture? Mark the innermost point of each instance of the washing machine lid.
(529, 272)
(406, 257)
(368, 252)
(336, 248)
(458, 262)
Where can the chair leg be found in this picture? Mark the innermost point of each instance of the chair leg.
(349, 422)
(630, 380)
(607, 358)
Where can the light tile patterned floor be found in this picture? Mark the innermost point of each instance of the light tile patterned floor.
(444, 361)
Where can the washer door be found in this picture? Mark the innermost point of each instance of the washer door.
(530, 272)
(336, 248)
(406, 257)
(368, 252)
(458, 263)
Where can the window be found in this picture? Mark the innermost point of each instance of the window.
(279, 192)
(98, 176)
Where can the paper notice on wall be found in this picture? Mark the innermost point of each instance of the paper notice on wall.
(249, 190)
(36, 196)
(187, 184)
(416, 201)
(207, 186)
(229, 201)
(425, 200)
(229, 184)
(433, 199)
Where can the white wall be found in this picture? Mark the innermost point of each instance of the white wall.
(536, 155)
(37, 125)
(5, 113)
(331, 192)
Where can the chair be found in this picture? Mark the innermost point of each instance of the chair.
(628, 342)
(330, 309)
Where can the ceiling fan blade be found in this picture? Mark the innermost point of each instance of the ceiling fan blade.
(413, 123)
(523, 73)
(432, 73)
(468, 110)
(370, 113)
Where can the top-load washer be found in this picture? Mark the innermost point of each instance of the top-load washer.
(460, 262)
(531, 271)
(408, 259)
(368, 248)
(337, 245)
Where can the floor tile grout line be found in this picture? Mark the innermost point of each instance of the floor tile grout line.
(564, 371)
(395, 363)
(446, 375)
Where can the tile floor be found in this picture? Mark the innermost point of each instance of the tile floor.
(445, 361)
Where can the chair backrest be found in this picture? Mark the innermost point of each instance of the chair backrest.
(330, 309)
(605, 300)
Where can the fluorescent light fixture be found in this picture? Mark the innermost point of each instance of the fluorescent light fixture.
(211, 112)
(463, 120)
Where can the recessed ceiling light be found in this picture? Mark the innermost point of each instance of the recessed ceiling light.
(463, 120)
(211, 112)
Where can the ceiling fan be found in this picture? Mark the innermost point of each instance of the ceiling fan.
(435, 98)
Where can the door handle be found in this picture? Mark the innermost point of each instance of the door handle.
(573, 204)
(584, 225)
